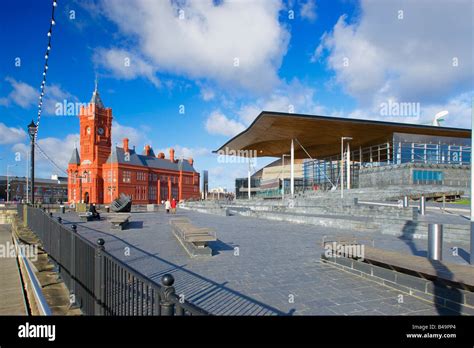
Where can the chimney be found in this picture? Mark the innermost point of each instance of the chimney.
(172, 155)
(161, 155)
(147, 150)
(125, 145)
(191, 161)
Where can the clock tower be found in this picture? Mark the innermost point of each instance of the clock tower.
(95, 146)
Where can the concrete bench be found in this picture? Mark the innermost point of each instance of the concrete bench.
(119, 221)
(194, 239)
(87, 217)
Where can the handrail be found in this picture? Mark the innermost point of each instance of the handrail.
(35, 284)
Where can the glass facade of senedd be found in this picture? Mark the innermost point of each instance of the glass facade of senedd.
(402, 148)
(412, 148)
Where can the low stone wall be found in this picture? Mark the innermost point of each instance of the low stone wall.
(454, 175)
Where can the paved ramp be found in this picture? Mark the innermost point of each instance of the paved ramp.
(11, 294)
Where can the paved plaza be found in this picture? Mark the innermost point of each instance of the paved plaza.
(260, 267)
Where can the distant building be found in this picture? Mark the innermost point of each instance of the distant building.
(52, 190)
(220, 193)
(269, 180)
(100, 172)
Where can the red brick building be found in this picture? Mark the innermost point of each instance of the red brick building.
(100, 173)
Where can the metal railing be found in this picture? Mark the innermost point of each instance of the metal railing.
(99, 283)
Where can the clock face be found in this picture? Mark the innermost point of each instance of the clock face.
(88, 130)
(100, 130)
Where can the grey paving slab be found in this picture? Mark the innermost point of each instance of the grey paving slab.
(260, 267)
(11, 294)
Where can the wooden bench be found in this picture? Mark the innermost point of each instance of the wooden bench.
(119, 221)
(192, 237)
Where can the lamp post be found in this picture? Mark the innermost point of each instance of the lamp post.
(180, 188)
(342, 164)
(8, 181)
(32, 127)
(27, 180)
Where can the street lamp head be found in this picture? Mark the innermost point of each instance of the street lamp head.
(32, 129)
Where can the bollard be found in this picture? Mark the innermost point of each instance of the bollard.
(50, 215)
(167, 291)
(422, 205)
(59, 219)
(74, 228)
(435, 242)
(62, 209)
(405, 202)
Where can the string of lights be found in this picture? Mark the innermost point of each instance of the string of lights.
(49, 158)
(45, 70)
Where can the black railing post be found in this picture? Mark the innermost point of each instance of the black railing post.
(167, 291)
(99, 285)
(72, 288)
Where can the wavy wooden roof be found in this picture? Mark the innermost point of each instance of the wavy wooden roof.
(270, 134)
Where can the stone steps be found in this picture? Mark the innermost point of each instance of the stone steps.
(386, 223)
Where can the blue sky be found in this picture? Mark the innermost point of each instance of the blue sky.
(339, 58)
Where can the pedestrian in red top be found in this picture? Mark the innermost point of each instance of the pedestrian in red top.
(173, 206)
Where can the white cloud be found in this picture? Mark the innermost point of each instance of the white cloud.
(207, 94)
(459, 108)
(54, 95)
(308, 10)
(59, 150)
(409, 59)
(11, 135)
(22, 94)
(185, 152)
(206, 40)
(218, 123)
(119, 132)
(25, 96)
(189, 152)
(125, 65)
(293, 97)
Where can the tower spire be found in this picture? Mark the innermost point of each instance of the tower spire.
(95, 95)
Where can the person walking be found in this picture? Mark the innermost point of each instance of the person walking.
(173, 206)
(167, 206)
